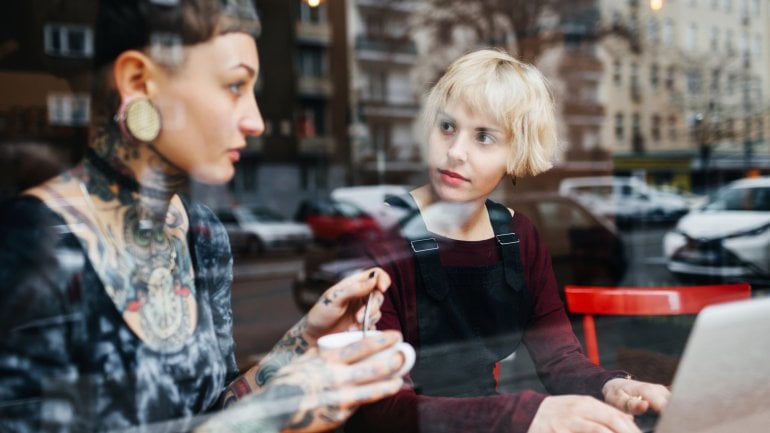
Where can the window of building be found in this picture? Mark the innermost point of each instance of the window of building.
(670, 78)
(635, 79)
(731, 82)
(756, 46)
(378, 85)
(729, 128)
(729, 42)
(694, 84)
(654, 75)
(655, 127)
(66, 40)
(617, 72)
(668, 32)
(672, 128)
(744, 9)
(756, 7)
(716, 76)
(714, 39)
(727, 5)
(653, 31)
(692, 36)
(714, 4)
(619, 129)
(744, 44)
(311, 62)
(68, 109)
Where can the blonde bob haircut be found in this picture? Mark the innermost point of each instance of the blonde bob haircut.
(513, 93)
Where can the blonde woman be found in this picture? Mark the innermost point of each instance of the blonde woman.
(472, 279)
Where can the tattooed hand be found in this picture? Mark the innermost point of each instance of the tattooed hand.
(341, 307)
(315, 393)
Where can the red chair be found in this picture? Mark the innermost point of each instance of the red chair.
(638, 301)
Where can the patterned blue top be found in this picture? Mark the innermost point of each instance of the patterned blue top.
(68, 361)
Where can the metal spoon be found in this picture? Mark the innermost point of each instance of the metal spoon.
(366, 312)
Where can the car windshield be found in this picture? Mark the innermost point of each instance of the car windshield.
(742, 199)
(259, 215)
(348, 210)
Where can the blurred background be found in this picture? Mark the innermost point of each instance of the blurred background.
(662, 105)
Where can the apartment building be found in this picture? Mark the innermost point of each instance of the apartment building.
(383, 99)
(685, 87)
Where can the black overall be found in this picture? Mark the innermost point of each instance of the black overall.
(469, 318)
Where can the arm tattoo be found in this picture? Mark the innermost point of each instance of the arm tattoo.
(292, 344)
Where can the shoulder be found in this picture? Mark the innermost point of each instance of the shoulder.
(37, 259)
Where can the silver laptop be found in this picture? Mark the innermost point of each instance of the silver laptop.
(722, 384)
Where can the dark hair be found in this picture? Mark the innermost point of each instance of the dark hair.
(138, 24)
(164, 27)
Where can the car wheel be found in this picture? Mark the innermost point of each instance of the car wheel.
(255, 246)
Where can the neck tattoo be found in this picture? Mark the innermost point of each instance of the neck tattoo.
(123, 180)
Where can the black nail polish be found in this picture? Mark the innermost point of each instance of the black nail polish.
(372, 274)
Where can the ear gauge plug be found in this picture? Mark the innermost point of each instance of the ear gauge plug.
(140, 119)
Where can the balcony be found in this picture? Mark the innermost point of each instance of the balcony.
(317, 146)
(317, 33)
(315, 86)
(386, 50)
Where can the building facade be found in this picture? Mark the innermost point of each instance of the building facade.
(685, 88)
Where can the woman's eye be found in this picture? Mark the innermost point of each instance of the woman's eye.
(446, 126)
(485, 138)
(236, 88)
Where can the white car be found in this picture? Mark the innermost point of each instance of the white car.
(371, 199)
(728, 239)
(624, 200)
(258, 229)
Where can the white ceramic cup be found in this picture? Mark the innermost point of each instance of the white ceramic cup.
(342, 339)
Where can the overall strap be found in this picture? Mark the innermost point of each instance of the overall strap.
(508, 241)
(424, 247)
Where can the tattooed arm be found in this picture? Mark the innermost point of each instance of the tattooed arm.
(340, 308)
(313, 393)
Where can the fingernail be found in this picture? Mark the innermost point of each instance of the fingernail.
(372, 274)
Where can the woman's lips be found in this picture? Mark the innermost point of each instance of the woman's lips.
(452, 178)
(234, 155)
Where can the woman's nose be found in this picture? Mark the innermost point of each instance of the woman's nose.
(457, 148)
(252, 123)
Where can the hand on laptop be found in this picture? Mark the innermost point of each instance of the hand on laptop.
(635, 397)
(580, 414)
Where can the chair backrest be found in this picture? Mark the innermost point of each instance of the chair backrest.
(634, 301)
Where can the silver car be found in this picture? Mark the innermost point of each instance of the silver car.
(728, 239)
(258, 229)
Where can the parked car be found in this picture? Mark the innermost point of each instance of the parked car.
(370, 199)
(257, 229)
(336, 221)
(585, 248)
(728, 239)
(627, 200)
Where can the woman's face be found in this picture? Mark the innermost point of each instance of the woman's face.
(208, 107)
(468, 153)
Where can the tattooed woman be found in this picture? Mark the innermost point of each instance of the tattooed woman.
(115, 297)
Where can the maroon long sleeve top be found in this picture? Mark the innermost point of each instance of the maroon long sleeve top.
(556, 352)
